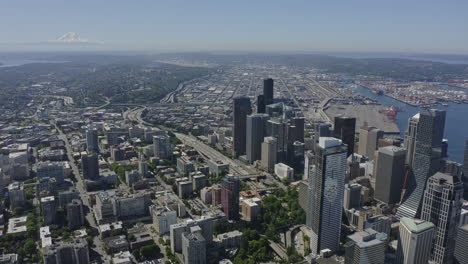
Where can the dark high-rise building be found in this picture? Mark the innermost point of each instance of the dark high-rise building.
(299, 124)
(465, 173)
(90, 166)
(345, 129)
(427, 141)
(389, 171)
(321, 129)
(242, 109)
(230, 187)
(327, 173)
(444, 149)
(442, 206)
(261, 106)
(92, 140)
(268, 91)
(256, 131)
(75, 216)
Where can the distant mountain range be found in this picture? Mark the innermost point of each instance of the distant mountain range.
(73, 38)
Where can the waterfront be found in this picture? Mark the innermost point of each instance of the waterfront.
(456, 125)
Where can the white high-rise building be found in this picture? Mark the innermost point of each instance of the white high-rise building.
(326, 190)
(415, 241)
(269, 152)
(442, 204)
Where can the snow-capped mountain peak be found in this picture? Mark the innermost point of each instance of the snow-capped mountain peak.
(73, 37)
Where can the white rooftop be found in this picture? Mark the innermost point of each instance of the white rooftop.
(328, 142)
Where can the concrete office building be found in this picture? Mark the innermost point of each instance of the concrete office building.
(218, 168)
(241, 109)
(442, 204)
(389, 172)
(194, 246)
(52, 170)
(207, 227)
(368, 141)
(415, 241)
(278, 129)
(269, 153)
(184, 166)
(131, 177)
(326, 189)
(345, 129)
(366, 247)
(16, 194)
(72, 252)
(104, 209)
(426, 159)
(75, 215)
(230, 188)
(131, 205)
(184, 189)
(352, 196)
(256, 131)
(379, 223)
(143, 168)
(163, 218)
(90, 166)
(199, 180)
(162, 147)
(461, 256)
(92, 143)
(66, 197)
(48, 210)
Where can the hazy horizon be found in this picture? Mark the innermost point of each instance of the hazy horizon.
(261, 26)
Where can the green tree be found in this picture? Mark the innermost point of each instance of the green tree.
(150, 251)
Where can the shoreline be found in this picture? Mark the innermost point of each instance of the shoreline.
(408, 103)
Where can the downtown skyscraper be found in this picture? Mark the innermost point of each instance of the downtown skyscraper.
(442, 206)
(92, 140)
(241, 109)
(415, 241)
(230, 188)
(345, 129)
(256, 131)
(426, 137)
(268, 91)
(327, 173)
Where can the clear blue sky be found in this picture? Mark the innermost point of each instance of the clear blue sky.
(286, 25)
